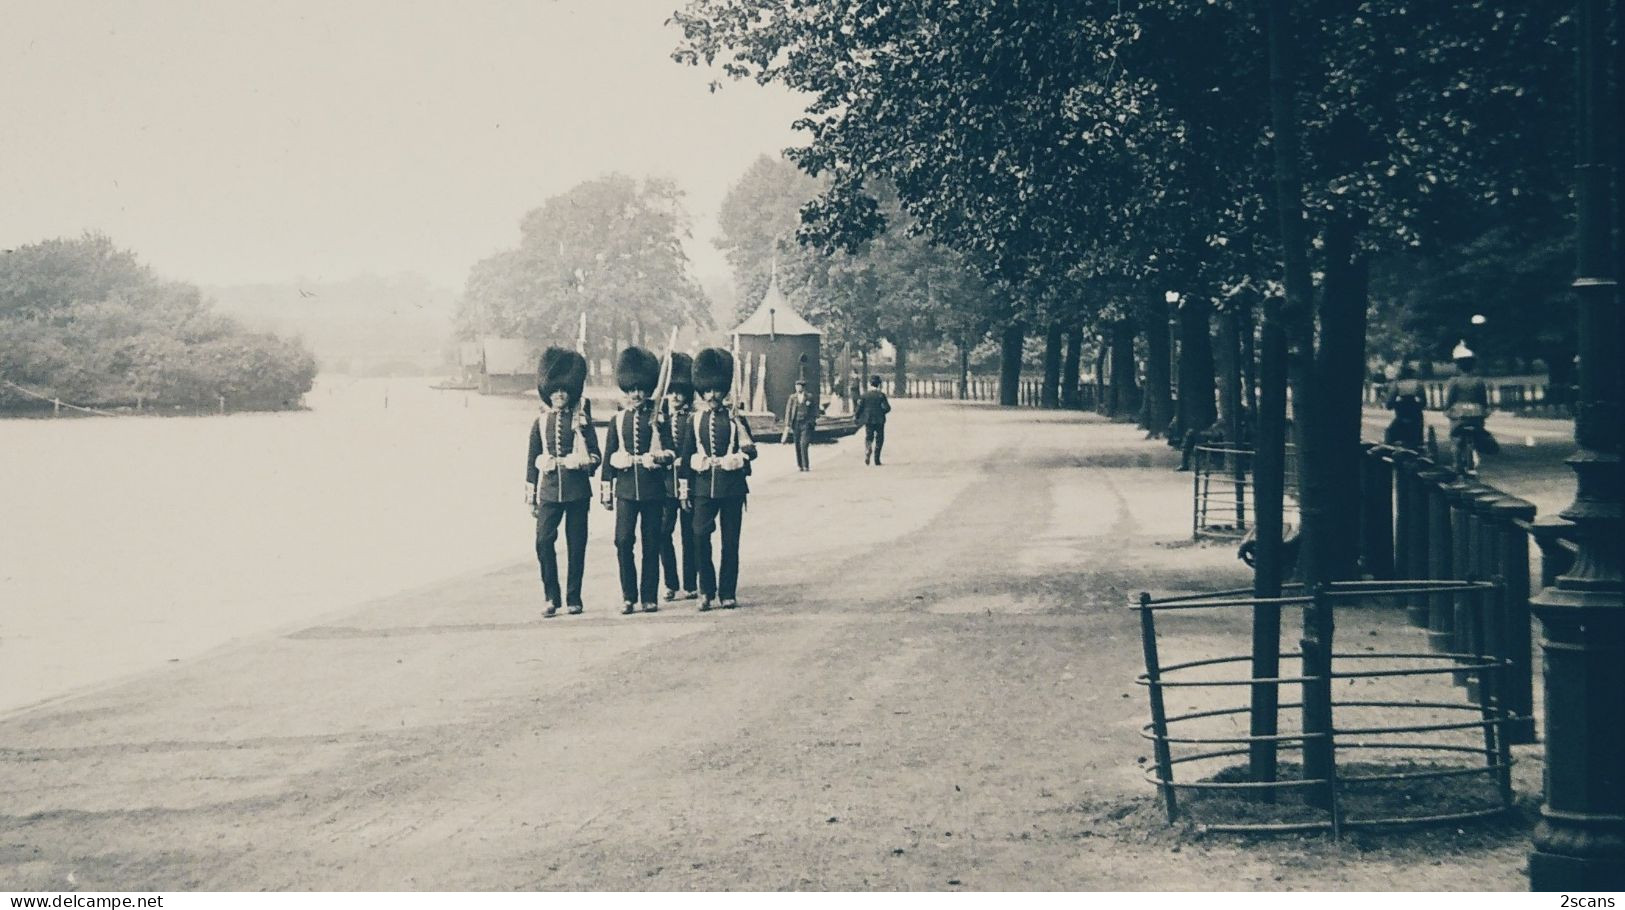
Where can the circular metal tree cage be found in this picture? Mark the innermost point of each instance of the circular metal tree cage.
(1222, 490)
(1414, 736)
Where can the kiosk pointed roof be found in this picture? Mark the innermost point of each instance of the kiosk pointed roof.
(775, 315)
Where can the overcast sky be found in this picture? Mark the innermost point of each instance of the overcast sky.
(229, 142)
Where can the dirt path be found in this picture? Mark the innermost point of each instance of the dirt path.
(930, 687)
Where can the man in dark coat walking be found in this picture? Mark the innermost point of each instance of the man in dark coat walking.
(800, 419)
(871, 415)
(562, 454)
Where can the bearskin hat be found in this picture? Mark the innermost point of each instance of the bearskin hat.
(713, 371)
(636, 368)
(561, 369)
(682, 375)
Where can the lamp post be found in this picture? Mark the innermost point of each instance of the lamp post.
(1579, 843)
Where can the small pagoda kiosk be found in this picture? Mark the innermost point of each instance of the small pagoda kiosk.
(772, 349)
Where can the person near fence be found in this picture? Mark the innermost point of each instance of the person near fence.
(562, 454)
(1467, 404)
(800, 419)
(1216, 434)
(633, 480)
(715, 450)
(676, 410)
(871, 415)
(1407, 399)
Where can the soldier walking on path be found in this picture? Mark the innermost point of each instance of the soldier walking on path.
(672, 413)
(633, 481)
(871, 415)
(800, 419)
(715, 449)
(562, 455)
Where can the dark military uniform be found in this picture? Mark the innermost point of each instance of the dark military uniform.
(716, 457)
(675, 518)
(561, 494)
(640, 498)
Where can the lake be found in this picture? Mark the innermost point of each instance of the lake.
(129, 542)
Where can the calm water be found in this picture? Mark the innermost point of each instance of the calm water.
(129, 542)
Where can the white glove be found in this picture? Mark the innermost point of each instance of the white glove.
(699, 461)
(647, 460)
(620, 461)
(545, 463)
(733, 461)
(575, 461)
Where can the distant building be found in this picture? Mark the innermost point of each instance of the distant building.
(506, 366)
(776, 346)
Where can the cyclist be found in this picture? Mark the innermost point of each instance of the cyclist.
(1467, 404)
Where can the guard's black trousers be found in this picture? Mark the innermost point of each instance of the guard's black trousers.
(708, 513)
(638, 521)
(574, 516)
(674, 518)
(874, 437)
(803, 437)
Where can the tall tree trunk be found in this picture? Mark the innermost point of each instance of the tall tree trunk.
(1227, 361)
(1196, 379)
(1010, 363)
(1125, 392)
(900, 371)
(1269, 488)
(1340, 378)
(1070, 366)
(1102, 406)
(1158, 374)
(1249, 364)
(1296, 340)
(1049, 394)
(964, 370)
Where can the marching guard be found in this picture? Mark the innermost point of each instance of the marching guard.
(562, 455)
(673, 412)
(714, 451)
(634, 480)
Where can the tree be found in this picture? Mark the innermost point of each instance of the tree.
(757, 226)
(610, 248)
(86, 322)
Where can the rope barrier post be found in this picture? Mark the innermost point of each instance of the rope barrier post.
(1378, 514)
(1441, 612)
(1461, 554)
(1410, 532)
(1159, 716)
(1487, 565)
(1517, 632)
(56, 407)
(1404, 536)
(1492, 689)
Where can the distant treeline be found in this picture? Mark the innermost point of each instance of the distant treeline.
(86, 323)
